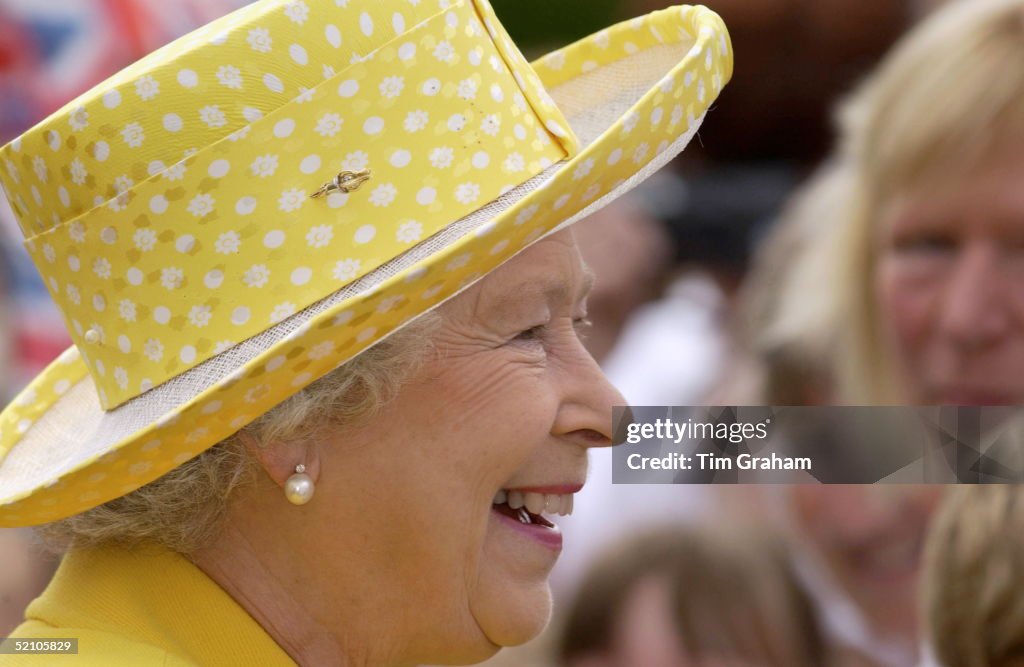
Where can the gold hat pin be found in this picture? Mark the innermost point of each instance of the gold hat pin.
(346, 181)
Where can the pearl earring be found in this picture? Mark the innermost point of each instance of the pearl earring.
(299, 487)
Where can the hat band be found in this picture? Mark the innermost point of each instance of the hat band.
(228, 242)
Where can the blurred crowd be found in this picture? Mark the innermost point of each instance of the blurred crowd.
(848, 229)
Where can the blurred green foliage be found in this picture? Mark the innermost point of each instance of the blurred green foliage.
(538, 26)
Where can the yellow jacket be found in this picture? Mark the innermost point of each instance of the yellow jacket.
(141, 607)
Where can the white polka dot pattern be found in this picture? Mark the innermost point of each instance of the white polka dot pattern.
(665, 116)
(370, 115)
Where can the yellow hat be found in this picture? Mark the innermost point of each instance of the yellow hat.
(239, 213)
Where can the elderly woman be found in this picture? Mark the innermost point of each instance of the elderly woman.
(317, 416)
(899, 268)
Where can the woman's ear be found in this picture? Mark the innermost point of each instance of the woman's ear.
(279, 459)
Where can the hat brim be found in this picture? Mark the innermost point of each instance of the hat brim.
(635, 94)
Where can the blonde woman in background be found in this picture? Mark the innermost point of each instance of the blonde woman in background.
(900, 264)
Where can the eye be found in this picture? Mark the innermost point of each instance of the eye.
(531, 334)
(926, 244)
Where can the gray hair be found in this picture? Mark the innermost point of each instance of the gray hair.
(185, 509)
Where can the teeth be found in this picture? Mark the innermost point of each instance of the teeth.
(523, 516)
(515, 500)
(535, 503)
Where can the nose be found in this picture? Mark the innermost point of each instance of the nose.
(975, 310)
(585, 412)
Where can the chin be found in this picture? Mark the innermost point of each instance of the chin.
(516, 614)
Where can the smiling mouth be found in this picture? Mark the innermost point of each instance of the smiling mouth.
(529, 508)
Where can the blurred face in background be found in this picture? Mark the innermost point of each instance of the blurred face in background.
(949, 284)
(869, 539)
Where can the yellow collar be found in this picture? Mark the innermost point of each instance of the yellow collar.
(155, 596)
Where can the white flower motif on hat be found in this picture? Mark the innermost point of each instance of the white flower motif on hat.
(321, 350)
(514, 163)
(40, 168)
(175, 172)
(13, 171)
(392, 86)
(297, 11)
(677, 115)
(282, 312)
(199, 316)
(49, 253)
(147, 88)
(213, 116)
(121, 377)
(259, 39)
(74, 295)
(320, 236)
(291, 200)
(256, 393)
(264, 166)
(416, 121)
(144, 239)
(442, 157)
(457, 122)
(305, 95)
(583, 170)
(527, 214)
(133, 135)
(641, 152)
(127, 310)
(444, 51)
(227, 243)
(390, 303)
(459, 262)
(201, 205)
(123, 183)
(240, 134)
(230, 76)
(490, 125)
(356, 161)
(410, 232)
(347, 269)
(329, 125)
(467, 89)
(79, 119)
(330, 73)
(223, 346)
(154, 350)
(172, 277)
(101, 267)
(383, 195)
(256, 276)
(630, 121)
(78, 172)
(467, 193)
(76, 230)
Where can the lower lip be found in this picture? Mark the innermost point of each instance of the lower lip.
(547, 537)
